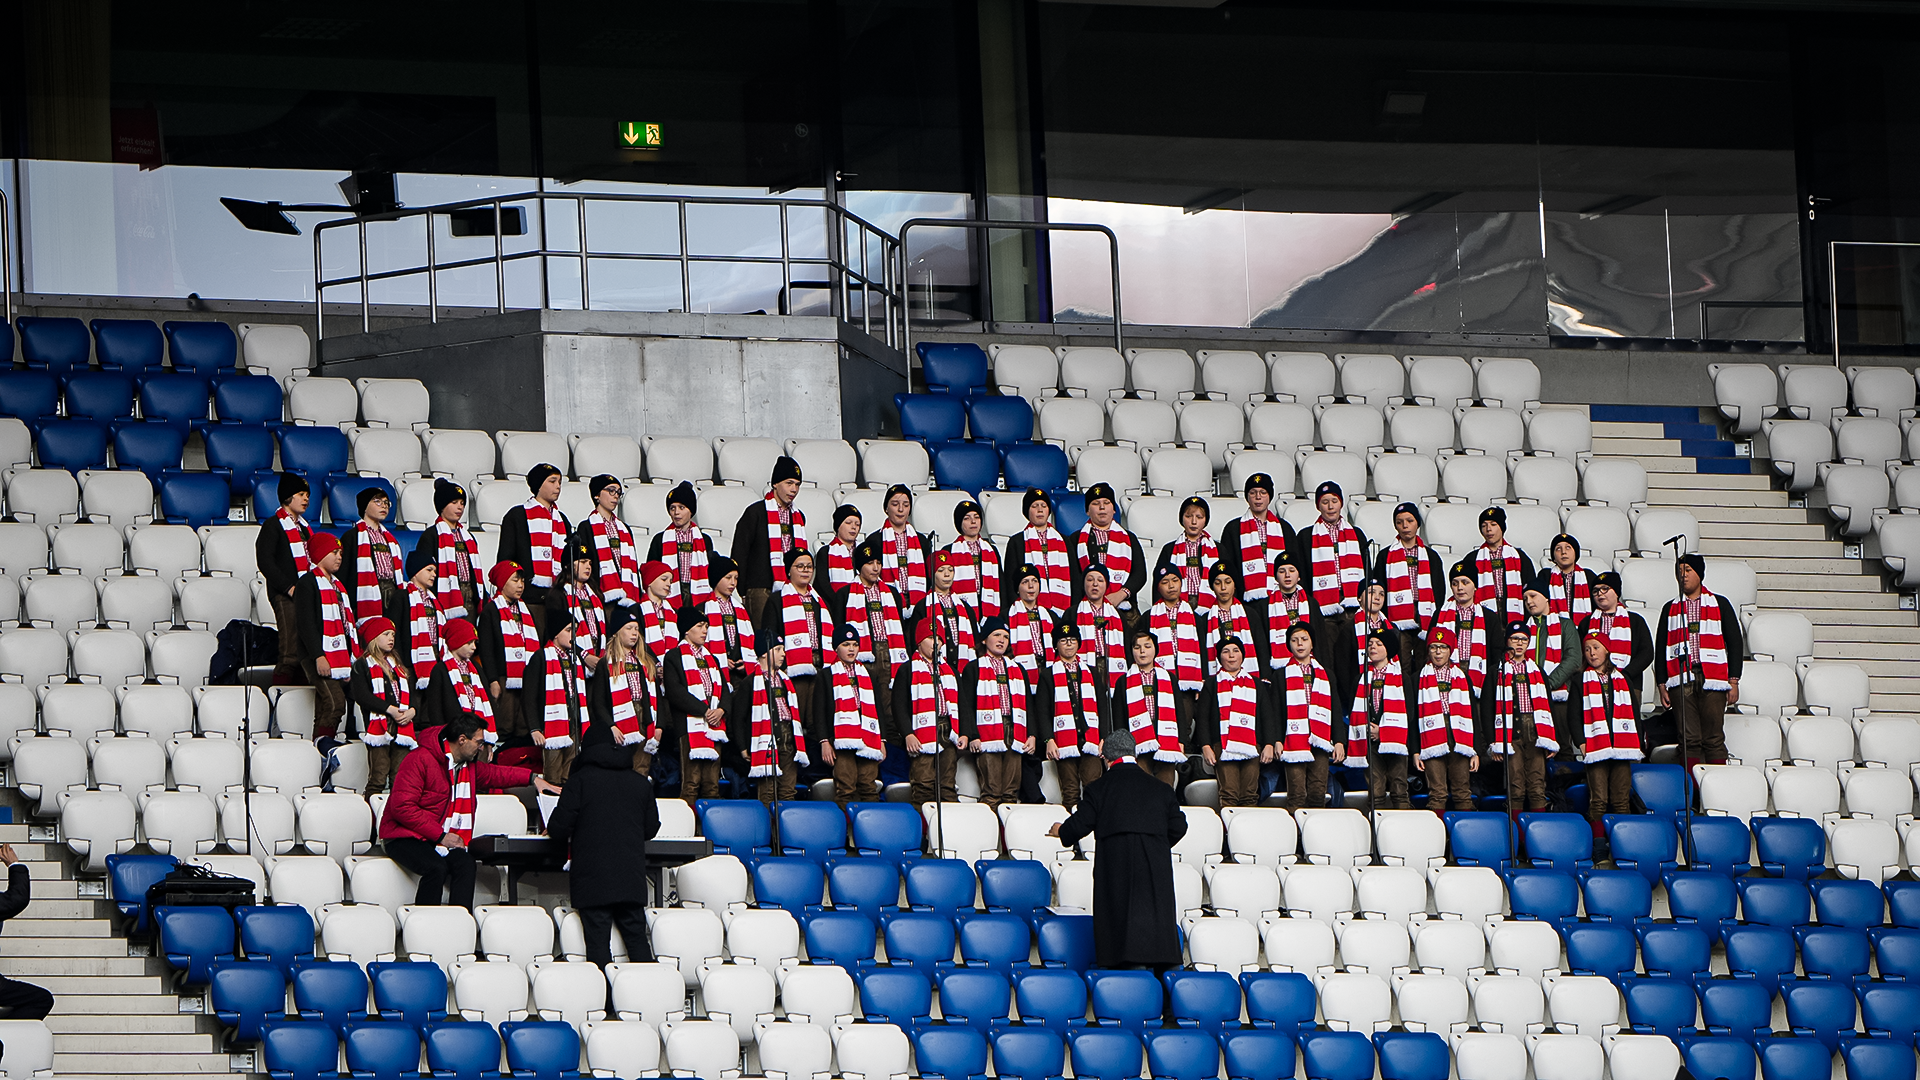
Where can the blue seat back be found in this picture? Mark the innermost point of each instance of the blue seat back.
(896, 995)
(1724, 1058)
(1662, 789)
(930, 418)
(383, 1050)
(128, 879)
(1016, 886)
(279, 934)
(1642, 842)
(1742, 1008)
(151, 448)
(99, 395)
(1903, 902)
(1721, 845)
(1542, 894)
(1774, 901)
(965, 466)
(300, 1050)
(955, 1052)
(1762, 952)
(1896, 951)
(130, 345)
(245, 995)
(331, 990)
(957, 367)
(1660, 1006)
(1841, 902)
(1411, 1055)
(839, 937)
(194, 499)
(1871, 1059)
(463, 1050)
(28, 395)
(742, 828)
(1034, 465)
(1337, 1055)
(1680, 951)
(924, 941)
(1126, 999)
(816, 830)
(1000, 419)
(1794, 848)
(173, 398)
(1053, 997)
(1890, 1010)
(409, 990)
(206, 348)
(1279, 999)
(999, 942)
(60, 345)
(241, 450)
(1789, 1058)
(869, 886)
(1600, 949)
(1208, 999)
(1561, 842)
(313, 449)
(1183, 1054)
(791, 883)
(1107, 1053)
(1703, 897)
(1028, 1053)
(1259, 1055)
(249, 399)
(1480, 839)
(1069, 510)
(946, 887)
(192, 938)
(343, 505)
(1822, 1008)
(1833, 952)
(73, 445)
(979, 998)
(541, 1049)
(1066, 941)
(1616, 895)
(890, 830)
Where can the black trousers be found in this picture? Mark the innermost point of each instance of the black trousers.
(452, 871)
(598, 924)
(23, 1001)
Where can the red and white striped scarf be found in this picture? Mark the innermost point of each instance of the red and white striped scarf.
(1503, 561)
(856, 716)
(1283, 610)
(774, 702)
(903, 562)
(1338, 567)
(1308, 700)
(623, 684)
(546, 540)
(339, 640)
(1506, 711)
(461, 801)
(1194, 559)
(1469, 640)
(1215, 624)
(1032, 632)
(295, 527)
(566, 686)
(1616, 629)
(806, 629)
(658, 630)
(426, 629)
(1695, 641)
(470, 691)
(1044, 549)
(1555, 650)
(589, 619)
(455, 554)
(936, 711)
(1000, 706)
(1178, 639)
(704, 681)
(1155, 725)
(954, 629)
(1110, 548)
(785, 525)
(1262, 540)
(1608, 726)
(877, 613)
(518, 639)
(390, 686)
(1567, 592)
(1074, 734)
(1391, 686)
(1237, 697)
(732, 635)
(1101, 634)
(839, 563)
(1445, 716)
(1364, 623)
(1410, 597)
(686, 551)
(617, 558)
(976, 574)
(376, 558)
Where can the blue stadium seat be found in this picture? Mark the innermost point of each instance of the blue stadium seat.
(1542, 894)
(845, 938)
(1561, 842)
(1742, 1008)
(1069, 510)
(463, 1050)
(1903, 903)
(1034, 465)
(952, 1052)
(1765, 953)
(297, 1050)
(151, 448)
(246, 995)
(979, 998)
(997, 942)
(1870, 1059)
(1793, 848)
(1833, 952)
(249, 399)
(1720, 1058)
(1019, 887)
(28, 395)
(1787, 1058)
(208, 349)
(1774, 902)
(129, 877)
(1106, 1053)
(1337, 1055)
(1660, 1006)
(1896, 951)
(921, 941)
(281, 934)
(194, 498)
(343, 505)
(1663, 789)
(56, 345)
(793, 883)
(1259, 1055)
(72, 445)
(313, 450)
(171, 398)
(966, 466)
(896, 995)
(1674, 950)
(1028, 1053)
(1890, 1010)
(98, 395)
(1283, 1000)
(1600, 949)
(930, 418)
(135, 346)
(1616, 895)
(334, 991)
(1051, 997)
(1178, 1054)
(1066, 941)
(1000, 420)
(953, 367)
(742, 828)
(1128, 999)
(1411, 1055)
(887, 830)
(944, 887)
(1481, 839)
(382, 1050)
(413, 991)
(242, 453)
(1820, 1009)
(1204, 999)
(1643, 842)
(192, 938)
(817, 830)
(868, 886)
(1855, 904)
(1721, 845)
(1703, 897)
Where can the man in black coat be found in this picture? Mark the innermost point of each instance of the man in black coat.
(1136, 819)
(19, 1000)
(608, 812)
(279, 562)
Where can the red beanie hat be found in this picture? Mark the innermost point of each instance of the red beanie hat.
(322, 545)
(459, 632)
(373, 628)
(501, 571)
(652, 569)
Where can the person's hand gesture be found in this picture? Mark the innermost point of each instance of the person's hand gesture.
(544, 787)
(1207, 755)
(8, 855)
(1052, 830)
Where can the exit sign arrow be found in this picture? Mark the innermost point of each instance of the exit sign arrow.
(638, 135)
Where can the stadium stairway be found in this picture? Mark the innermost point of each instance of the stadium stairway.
(1690, 466)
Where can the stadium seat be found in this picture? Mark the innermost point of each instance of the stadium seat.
(28, 396)
(1102, 1053)
(1468, 892)
(192, 938)
(204, 347)
(1798, 449)
(305, 1050)
(280, 934)
(245, 995)
(950, 1051)
(1018, 887)
(251, 400)
(58, 345)
(1481, 839)
(1562, 842)
(1337, 1055)
(102, 396)
(396, 403)
(1095, 370)
(1823, 1009)
(72, 445)
(793, 882)
(96, 824)
(1165, 374)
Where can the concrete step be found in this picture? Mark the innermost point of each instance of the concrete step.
(1794, 532)
(1745, 512)
(1710, 500)
(1832, 568)
(1865, 650)
(1894, 704)
(1625, 429)
(50, 889)
(1800, 600)
(110, 1064)
(28, 967)
(161, 1075)
(87, 999)
(150, 986)
(1661, 464)
(1779, 575)
(1877, 666)
(1741, 549)
(31, 927)
(128, 1042)
(1849, 617)
(1841, 635)
(1653, 444)
(14, 945)
(170, 1023)
(1697, 481)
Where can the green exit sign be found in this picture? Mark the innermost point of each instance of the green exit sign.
(638, 135)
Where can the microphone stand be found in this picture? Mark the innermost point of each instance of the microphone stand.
(1686, 773)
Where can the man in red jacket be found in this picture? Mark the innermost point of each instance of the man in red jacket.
(429, 820)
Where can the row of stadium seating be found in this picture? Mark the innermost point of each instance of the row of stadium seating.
(211, 349)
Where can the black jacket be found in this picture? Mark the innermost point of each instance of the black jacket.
(516, 545)
(1437, 579)
(1643, 654)
(439, 702)
(1136, 819)
(19, 891)
(1040, 704)
(750, 546)
(608, 812)
(1136, 579)
(681, 704)
(275, 558)
(1011, 560)
(1730, 632)
(600, 700)
(1300, 546)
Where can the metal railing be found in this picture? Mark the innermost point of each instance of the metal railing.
(986, 287)
(859, 292)
(1833, 280)
(6, 254)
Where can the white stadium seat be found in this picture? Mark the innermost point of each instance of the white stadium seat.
(1864, 849)
(42, 496)
(1891, 741)
(119, 498)
(229, 549)
(613, 455)
(490, 991)
(1652, 528)
(1167, 373)
(141, 603)
(1477, 478)
(1747, 394)
(1816, 392)
(391, 453)
(1118, 466)
(1870, 440)
(1077, 421)
(261, 824)
(1346, 468)
(1027, 370)
(336, 824)
(16, 443)
(1506, 382)
(1734, 790)
(312, 881)
(1370, 377)
(1446, 381)
(1548, 481)
(130, 764)
(1294, 944)
(114, 657)
(463, 454)
(322, 402)
(1430, 1001)
(1357, 428)
(1236, 375)
(23, 548)
(1453, 948)
(1491, 431)
(1305, 377)
(441, 934)
(1284, 425)
(747, 461)
(92, 550)
(361, 933)
(1882, 391)
(394, 403)
(182, 655)
(1141, 421)
(1617, 482)
(1562, 431)
(211, 766)
(168, 551)
(1404, 478)
(826, 463)
(1798, 448)
(1095, 370)
(1179, 470)
(281, 350)
(1214, 425)
(179, 823)
(1424, 429)
(380, 880)
(885, 462)
(96, 824)
(572, 992)
(1242, 464)
(1834, 688)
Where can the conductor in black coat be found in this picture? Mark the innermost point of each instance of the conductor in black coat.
(19, 1000)
(1136, 819)
(608, 812)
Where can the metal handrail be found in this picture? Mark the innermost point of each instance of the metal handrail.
(1833, 280)
(1113, 250)
(6, 254)
(846, 279)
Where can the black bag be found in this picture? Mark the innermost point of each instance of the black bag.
(187, 885)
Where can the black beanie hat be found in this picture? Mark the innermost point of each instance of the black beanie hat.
(1610, 579)
(1695, 560)
(1099, 491)
(1068, 630)
(419, 558)
(558, 619)
(795, 554)
(619, 616)
(867, 552)
(1410, 508)
(601, 483)
(682, 493)
(1032, 496)
(720, 566)
(1196, 501)
(370, 493)
(1564, 538)
(1494, 514)
(897, 489)
(689, 617)
(291, 484)
(446, 492)
(1026, 570)
(538, 475)
(1462, 570)
(965, 507)
(785, 469)
(1258, 480)
(844, 511)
